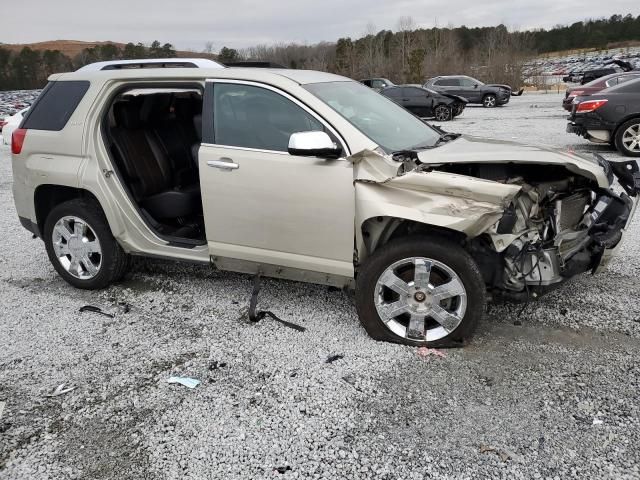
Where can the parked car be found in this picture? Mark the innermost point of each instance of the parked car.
(9, 124)
(426, 103)
(610, 116)
(473, 90)
(377, 83)
(597, 85)
(312, 177)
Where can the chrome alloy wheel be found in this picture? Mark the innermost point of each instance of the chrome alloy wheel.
(420, 299)
(489, 101)
(442, 113)
(77, 247)
(631, 138)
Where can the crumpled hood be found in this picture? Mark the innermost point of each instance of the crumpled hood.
(468, 149)
(508, 87)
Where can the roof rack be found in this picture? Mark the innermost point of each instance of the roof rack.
(151, 63)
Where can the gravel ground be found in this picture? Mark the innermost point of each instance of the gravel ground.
(552, 395)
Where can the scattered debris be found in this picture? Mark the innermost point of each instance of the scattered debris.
(91, 308)
(60, 390)
(564, 311)
(186, 381)
(2, 404)
(257, 315)
(333, 358)
(504, 456)
(597, 421)
(124, 307)
(350, 379)
(425, 352)
(215, 365)
(283, 470)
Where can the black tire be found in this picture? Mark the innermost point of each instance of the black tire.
(440, 249)
(489, 101)
(443, 113)
(114, 261)
(618, 139)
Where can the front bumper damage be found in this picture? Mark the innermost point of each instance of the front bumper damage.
(525, 239)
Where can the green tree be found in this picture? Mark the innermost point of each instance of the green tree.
(228, 55)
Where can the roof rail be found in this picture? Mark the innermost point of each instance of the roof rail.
(151, 63)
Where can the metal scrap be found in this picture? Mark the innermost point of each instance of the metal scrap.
(60, 390)
(92, 309)
(186, 381)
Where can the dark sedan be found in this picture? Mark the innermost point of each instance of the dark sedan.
(426, 103)
(610, 116)
(597, 85)
(473, 90)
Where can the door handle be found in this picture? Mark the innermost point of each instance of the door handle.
(223, 164)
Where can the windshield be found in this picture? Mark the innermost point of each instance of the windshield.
(392, 127)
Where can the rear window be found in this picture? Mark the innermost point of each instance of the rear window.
(56, 104)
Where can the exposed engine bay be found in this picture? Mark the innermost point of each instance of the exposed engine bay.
(557, 226)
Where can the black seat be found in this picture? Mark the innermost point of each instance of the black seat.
(147, 168)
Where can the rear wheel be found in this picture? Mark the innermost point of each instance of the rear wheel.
(81, 247)
(627, 139)
(420, 291)
(489, 101)
(443, 113)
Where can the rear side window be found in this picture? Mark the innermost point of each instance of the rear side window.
(448, 82)
(55, 105)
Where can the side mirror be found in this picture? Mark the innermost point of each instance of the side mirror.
(475, 85)
(313, 144)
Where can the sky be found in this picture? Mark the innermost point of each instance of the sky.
(190, 24)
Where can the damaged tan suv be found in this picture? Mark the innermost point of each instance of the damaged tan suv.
(311, 177)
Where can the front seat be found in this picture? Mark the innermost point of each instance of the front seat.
(147, 168)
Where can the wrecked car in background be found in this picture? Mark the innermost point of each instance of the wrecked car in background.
(311, 177)
(426, 103)
(488, 95)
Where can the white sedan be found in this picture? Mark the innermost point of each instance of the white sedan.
(10, 124)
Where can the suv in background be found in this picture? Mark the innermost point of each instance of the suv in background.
(312, 177)
(473, 90)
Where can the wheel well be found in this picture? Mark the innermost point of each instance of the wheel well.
(47, 197)
(379, 231)
(622, 122)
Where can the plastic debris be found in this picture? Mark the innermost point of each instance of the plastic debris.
(60, 390)
(333, 358)
(425, 352)
(283, 470)
(597, 421)
(2, 404)
(92, 309)
(504, 456)
(186, 381)
(215, 365)
(256, 315)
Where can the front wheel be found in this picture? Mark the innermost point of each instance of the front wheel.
(627, 138)
(420, 291)
(81, 247)
(489, 101)
(442, 113)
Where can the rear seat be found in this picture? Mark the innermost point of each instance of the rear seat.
(148, 168)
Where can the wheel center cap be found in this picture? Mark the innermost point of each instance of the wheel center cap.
(420, 296)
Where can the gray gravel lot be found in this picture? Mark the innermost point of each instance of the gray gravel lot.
(555, 397)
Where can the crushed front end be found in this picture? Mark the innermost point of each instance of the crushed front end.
(559, 225)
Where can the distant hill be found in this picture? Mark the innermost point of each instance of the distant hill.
(72, 48)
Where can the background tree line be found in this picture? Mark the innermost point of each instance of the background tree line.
(29, 69)
(410, 54)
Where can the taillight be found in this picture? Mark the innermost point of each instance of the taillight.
(590, 105)
(17, 140)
